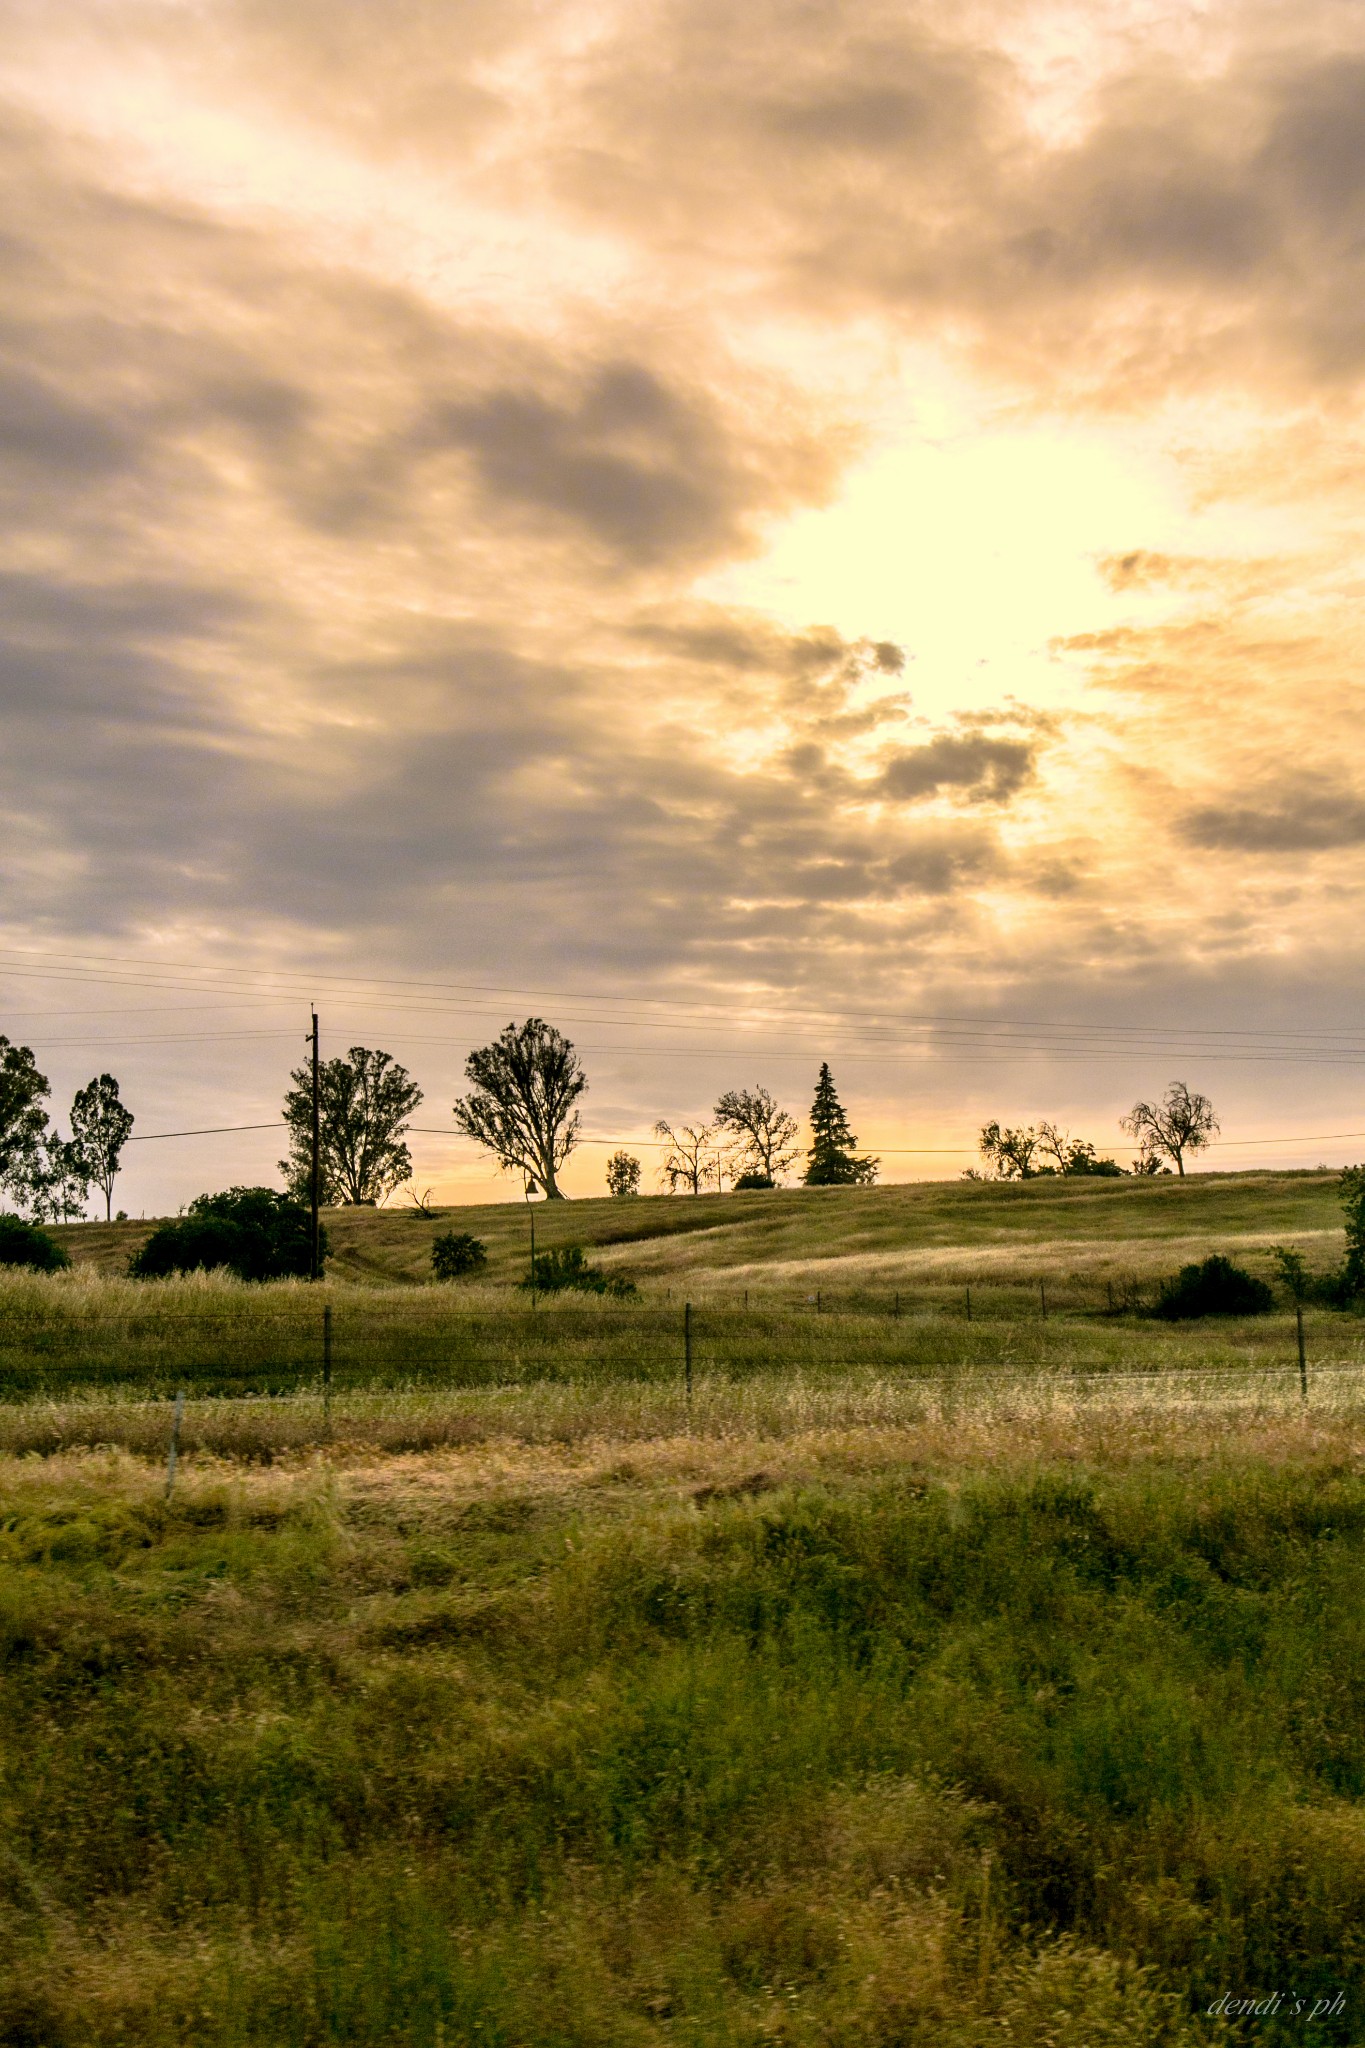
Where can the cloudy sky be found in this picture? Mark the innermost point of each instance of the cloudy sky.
(768, 533)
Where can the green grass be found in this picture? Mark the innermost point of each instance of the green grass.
(915, 1681)
(786, 1243)
(896, 1750)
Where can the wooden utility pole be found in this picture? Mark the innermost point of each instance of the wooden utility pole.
(315, 1165)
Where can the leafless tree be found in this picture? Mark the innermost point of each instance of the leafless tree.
(1181, 1122)
(691, 1159)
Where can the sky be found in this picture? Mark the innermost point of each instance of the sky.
(808, 531)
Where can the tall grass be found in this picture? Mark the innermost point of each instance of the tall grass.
(63, 1333)
(1058, 1750)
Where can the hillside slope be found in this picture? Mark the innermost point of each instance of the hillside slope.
(925, 1232)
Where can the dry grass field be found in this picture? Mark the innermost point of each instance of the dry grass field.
(909, 1681)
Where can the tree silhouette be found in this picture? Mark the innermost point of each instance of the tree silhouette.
(365, 1102)
(99, 1131)
(763, 1134)
(831, 1161)
(521, 1105)
(1181, 1122)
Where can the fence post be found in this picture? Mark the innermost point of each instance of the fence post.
(327, 1366)
(1109, 1291)
(687, 1349)
(175, 1441)
(1303, 1362)
(969, 1304)
(817, 1301)
(897, 1309)
(1042, 1296)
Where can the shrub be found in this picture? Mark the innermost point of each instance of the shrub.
(23, 1244)
(1215, 1288)
(257, 1233)
(746, 1181)
(456, 1254)
(568, 1267)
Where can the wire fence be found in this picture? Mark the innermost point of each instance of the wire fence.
(292, 1343)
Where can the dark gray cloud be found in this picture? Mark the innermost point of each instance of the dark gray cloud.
(981, 768)
(1305, 820)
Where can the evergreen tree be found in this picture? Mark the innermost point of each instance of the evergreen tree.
(831, 1161)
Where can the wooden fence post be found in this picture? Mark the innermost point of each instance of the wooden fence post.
(175, 1441)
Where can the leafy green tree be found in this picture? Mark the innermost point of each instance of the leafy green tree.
(257, 1233)
(23, 1119)
(521, 1103)
(831, 1161)
(623, 1176)
(366, 1100)
(100, 1125)
(1181, 1122)
(762, 1134)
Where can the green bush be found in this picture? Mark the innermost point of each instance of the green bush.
(456, 1254)
(257, 1233)
(568, 1267)
(23, 1244)
(1214, 1288)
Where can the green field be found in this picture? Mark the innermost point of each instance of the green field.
(907, 1680)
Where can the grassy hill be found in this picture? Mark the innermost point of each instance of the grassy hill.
(898, 1680)
(844, 1239)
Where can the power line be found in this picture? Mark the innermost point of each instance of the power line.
(60, 967)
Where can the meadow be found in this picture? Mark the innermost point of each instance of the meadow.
(907, 1680)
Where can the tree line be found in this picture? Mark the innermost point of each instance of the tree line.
(1181, 1124)
(522, 1106)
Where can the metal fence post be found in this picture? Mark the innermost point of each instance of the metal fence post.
(687, 1349)
(327, 1365)
(175, 1441)
(1303, 1361)
(1042, 1296)
(969, 1304)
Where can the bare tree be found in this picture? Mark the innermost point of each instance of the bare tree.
(762, 1134)
(521, 1105)
(366, 1100)
(690, 1159)
(1181, 1122)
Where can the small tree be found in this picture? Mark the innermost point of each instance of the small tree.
(623, 1175)
(456, 1254)
(366, 1100)
(23, 1119)
(521, 1105)
(1009, 1153)
(99, 1131)
(763, 1136)
(1073, 1157)
(689, 1161)
(831, 1161)
(1181, 1122)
